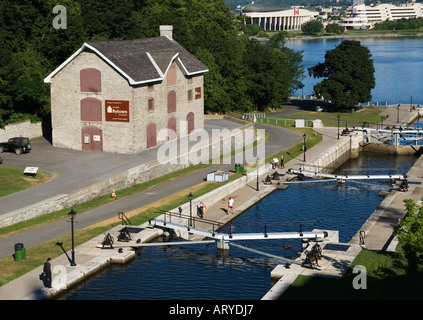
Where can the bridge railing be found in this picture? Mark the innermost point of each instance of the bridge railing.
(191, 219)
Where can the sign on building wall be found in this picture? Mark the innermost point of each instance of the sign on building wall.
(117, 110)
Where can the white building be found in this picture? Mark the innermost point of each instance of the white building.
(364, 17)
(277, 17)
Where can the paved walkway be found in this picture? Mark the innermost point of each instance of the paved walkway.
(30, 286)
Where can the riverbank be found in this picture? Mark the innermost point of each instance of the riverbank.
(347, 34)
(411, 34)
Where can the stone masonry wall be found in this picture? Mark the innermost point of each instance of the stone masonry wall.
(21, 129)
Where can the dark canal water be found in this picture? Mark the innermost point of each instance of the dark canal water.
(199, 272)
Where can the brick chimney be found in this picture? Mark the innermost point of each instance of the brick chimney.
(166, 31)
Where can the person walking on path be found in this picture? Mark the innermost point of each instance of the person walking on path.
(282, 162)
(231, 205)
(275, 163)
(47, 273)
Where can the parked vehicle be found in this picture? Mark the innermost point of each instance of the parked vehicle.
(18, 145)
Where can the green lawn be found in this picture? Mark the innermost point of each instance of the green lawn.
(385, 279)
(329, 119)
(369, 115)
(13, 180)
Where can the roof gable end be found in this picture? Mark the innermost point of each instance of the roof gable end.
(140, 60)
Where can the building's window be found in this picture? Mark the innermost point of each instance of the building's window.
(90, 80)
(90, 109)
(151, 104)
(189, 95)
(171, 101)
(198, 93)
(171, 75)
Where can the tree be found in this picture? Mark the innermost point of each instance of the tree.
(312, 27)
(334, 28)
(349, 75)
(273, 72)
(410, 234)
(251, 29)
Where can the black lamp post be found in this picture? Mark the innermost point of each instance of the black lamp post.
(190, 196)
(304, 146)
(257, 161)
(339, 117)
(72, 215)
(398, 112)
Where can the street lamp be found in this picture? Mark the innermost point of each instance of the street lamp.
(339, 117)
(190, 196)
(304, 146)
(398, 112)
(72, 215)
(257, 161)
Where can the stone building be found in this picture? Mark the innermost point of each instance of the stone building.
(126, 96)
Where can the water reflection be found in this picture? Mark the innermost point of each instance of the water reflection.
(198, 272)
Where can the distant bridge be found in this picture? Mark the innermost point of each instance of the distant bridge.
(396, 135)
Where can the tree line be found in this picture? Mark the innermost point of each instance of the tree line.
(401, 24)
(244, 74)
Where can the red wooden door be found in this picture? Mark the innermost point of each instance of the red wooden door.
(92, 139)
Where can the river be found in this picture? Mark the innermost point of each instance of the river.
(398, 66)
(197, 272)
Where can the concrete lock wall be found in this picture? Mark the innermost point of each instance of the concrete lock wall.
(336, 155)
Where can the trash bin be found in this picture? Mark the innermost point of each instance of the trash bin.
(239, 168)
(19, 252)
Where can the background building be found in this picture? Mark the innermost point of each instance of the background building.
(277, 17)
(364, 17)
(116, 96)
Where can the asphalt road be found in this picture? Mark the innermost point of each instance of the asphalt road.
(72, 169)
(75, 169)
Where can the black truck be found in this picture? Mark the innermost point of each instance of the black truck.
(18, 145)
